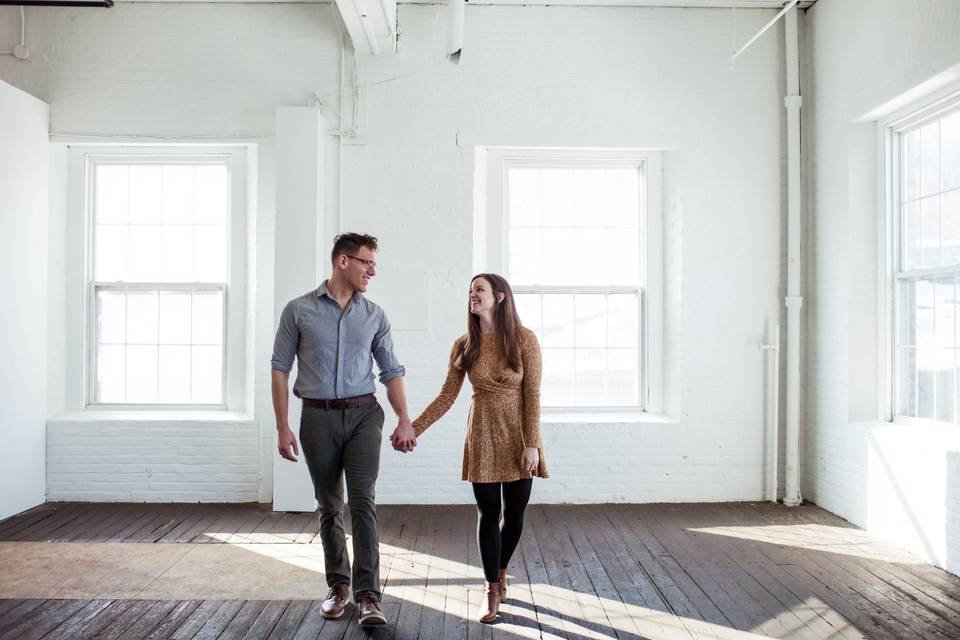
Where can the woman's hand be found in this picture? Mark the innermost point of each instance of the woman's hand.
(530, 459)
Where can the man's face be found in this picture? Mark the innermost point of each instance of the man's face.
(360, 267)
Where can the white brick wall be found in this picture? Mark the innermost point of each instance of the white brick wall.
(183, 458)
(897, 481)
(558, 75)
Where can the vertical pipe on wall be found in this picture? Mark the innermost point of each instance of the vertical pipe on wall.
(772, 352)
(793, 300)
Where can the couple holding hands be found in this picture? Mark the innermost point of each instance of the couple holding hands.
(335, 334)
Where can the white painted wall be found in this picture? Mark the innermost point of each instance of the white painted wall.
(24, 167)
(899, 481)
(553, 75)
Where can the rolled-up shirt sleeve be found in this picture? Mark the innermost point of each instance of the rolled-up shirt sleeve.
(287, 340)
(382, 349)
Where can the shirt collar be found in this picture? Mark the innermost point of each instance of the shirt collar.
(322, 290)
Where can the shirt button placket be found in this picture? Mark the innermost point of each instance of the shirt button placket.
(339, 389)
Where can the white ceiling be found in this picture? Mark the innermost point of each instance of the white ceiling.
(741, 4)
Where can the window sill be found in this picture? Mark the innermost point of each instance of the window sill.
(150, 416)
(626, 416)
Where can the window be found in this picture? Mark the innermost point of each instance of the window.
(159, 287)
(574, 249)
(926, 198)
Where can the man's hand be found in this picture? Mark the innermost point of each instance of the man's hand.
(287, 443)
(403, 437)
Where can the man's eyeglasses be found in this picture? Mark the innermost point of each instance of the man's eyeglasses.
(367, 264)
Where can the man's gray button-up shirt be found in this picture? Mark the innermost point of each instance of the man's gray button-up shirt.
(335, 348)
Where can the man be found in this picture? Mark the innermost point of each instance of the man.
(336, 334)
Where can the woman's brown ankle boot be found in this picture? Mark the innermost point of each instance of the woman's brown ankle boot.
(503, 585)
(490, 603)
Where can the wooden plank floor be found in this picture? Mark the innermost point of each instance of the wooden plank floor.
(737, 571)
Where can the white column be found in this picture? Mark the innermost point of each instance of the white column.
(301, 245)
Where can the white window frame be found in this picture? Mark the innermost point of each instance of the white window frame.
(82, 161)
(890, 131)
(495, 246)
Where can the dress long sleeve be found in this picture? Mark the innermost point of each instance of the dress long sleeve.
(532, 367)
(448, 394)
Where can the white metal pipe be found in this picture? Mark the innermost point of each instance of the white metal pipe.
(762, 31)
(772, 350)
(794, 300)
(456, 19)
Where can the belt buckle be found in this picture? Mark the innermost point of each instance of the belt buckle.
(353, 403)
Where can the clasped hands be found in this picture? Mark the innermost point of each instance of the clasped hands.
(403, 438)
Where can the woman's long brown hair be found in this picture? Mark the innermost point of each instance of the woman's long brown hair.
(505, 320)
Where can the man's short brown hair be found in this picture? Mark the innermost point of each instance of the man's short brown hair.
(349, 243)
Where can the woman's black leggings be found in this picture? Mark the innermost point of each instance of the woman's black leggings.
(497, 542)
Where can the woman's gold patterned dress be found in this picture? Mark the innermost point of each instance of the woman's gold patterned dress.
(504, 413)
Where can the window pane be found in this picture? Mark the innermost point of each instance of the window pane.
(206, 368)
(950, 227)
(623, 312)
(529, 308)
(946, 402)
(907, 321)
(912, 243)
(111, 373)
(558, 245)
(110, 194)
(110, 253)
(591, 377)
(211, 194)
(141, 373)
(622, 382)
(930, 159)
(589, 208)
(524, 256)
(111, 317)
(911, 165)
(557, 380)
(178, 194)
(591, 321)
(623, 256)
(176, 253)
(207, 318)
(950, 152)
(927, 351)
(144, 253)
(145, 194)
(907, 382)
(142, 318)
(557, 197)
(175, 369)
(175, 321)
(210, 253)
(930, 230)
(524, 197)
(590, 257)
(945, 341)
(558, 320)
(623, 193)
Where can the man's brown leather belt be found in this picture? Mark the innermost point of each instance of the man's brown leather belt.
(341, 403)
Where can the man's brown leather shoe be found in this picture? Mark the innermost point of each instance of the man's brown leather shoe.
(336, 601)
(369, 612)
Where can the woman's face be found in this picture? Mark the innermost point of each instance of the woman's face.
(482, 299)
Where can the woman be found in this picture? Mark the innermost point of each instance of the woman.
(502, 451)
